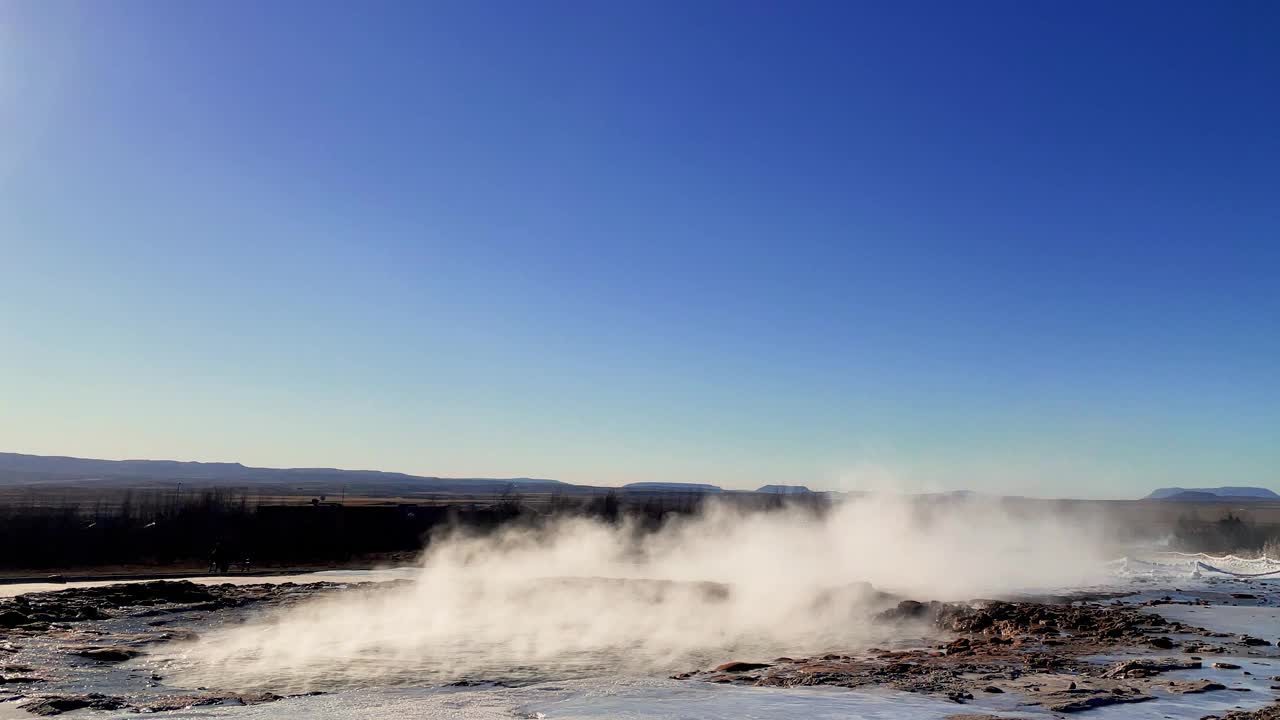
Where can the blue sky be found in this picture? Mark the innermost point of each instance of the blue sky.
(1005, 246)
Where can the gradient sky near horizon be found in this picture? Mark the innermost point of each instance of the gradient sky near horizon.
(1004, 246)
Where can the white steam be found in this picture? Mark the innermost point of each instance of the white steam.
(584, 596)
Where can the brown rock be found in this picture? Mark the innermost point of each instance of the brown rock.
(58, 704)
(734, 667)
(1196, 687)
(1096, 701)
(107, 654)
(13, 619)
(1270, 712)
(1146, 667)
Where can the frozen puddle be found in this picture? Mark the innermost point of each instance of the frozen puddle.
(1259, 621)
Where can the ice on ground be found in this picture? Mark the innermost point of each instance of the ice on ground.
(1195, 706)
(1175, 564)
(633, 698)
(333, 576)
(1263, 622)
(614, 698)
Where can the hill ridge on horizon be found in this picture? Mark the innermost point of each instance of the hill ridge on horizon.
(6, 459)
(1225, 492)
(27, 468)
(49, 469)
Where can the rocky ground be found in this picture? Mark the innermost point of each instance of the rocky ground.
(1062, 655)
(46, 638)
(1045, 653)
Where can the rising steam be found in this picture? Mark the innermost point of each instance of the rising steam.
(582, 596)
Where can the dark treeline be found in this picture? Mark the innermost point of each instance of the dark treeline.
(1229, 533)
(169, 528)
(130, 527)
(165, 528)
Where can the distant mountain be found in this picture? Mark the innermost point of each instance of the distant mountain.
(1196, 496)
(18, 469)
(784, 489)
(1213, 494)
(83, 467)
(672, 487)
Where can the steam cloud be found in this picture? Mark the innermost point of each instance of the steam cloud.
(581, 595)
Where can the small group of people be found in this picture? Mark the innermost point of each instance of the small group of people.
(220, 562)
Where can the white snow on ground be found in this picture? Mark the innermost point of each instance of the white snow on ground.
(333, 576)
(1176, 564)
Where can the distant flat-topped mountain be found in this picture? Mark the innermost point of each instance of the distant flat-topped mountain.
(672, 487)
(18, 469)
(1213, 494)
(783, 489)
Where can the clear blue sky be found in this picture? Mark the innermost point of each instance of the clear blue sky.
(1023, 247)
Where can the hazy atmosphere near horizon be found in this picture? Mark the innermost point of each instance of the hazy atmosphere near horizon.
(1010, 247)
